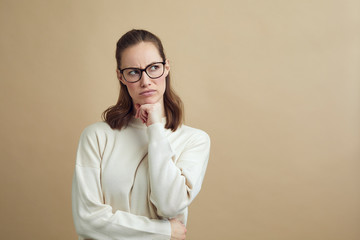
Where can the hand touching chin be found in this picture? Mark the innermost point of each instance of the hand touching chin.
(149, 113)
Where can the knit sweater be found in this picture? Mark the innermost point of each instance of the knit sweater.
(127, 184)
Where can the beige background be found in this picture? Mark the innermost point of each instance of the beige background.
(276, 84)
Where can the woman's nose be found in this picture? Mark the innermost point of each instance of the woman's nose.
(145, 80)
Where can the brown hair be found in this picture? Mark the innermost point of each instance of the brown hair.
(119, 115)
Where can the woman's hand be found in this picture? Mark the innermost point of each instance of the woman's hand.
(178, 230)
(149, 113)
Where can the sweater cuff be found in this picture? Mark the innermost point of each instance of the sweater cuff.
(156, 132)
(167, 235)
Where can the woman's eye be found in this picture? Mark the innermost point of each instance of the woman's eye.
(154, 67)
(133, 72)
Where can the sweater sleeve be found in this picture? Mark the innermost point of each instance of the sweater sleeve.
(92, 218)
(175, 185)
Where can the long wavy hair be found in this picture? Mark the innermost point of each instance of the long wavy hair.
(119, 115)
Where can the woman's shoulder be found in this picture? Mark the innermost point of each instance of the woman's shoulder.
(97, 128)
(194, 133)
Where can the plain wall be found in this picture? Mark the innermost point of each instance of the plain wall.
(276, 84)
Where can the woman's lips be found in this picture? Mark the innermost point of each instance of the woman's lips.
(147, 93)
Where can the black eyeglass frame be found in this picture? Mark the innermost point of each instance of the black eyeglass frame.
(143, 70)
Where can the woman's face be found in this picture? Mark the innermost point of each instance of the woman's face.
(146, 90)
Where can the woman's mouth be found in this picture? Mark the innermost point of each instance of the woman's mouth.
(147, 93)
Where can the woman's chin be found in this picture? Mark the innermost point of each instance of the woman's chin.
(145, 102)
(148, 101)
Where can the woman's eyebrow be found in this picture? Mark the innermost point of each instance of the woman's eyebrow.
(145, 66)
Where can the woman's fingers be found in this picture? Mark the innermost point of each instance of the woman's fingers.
(141, 114)
(137, 107)
(178, 230)
(143, 118)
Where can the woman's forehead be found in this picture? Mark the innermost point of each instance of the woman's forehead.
(140, 55)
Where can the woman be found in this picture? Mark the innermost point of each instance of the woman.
(137, 172)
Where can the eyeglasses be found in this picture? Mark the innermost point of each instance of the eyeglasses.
(153, 70)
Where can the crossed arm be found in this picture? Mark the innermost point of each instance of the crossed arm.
(173, 187)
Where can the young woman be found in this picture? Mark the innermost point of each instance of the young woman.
(138, 171)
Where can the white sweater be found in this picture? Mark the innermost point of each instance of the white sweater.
(128, 183)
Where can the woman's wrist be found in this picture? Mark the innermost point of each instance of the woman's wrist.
(156, 132)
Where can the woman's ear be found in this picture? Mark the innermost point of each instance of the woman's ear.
(119, 76)
(167, 66)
